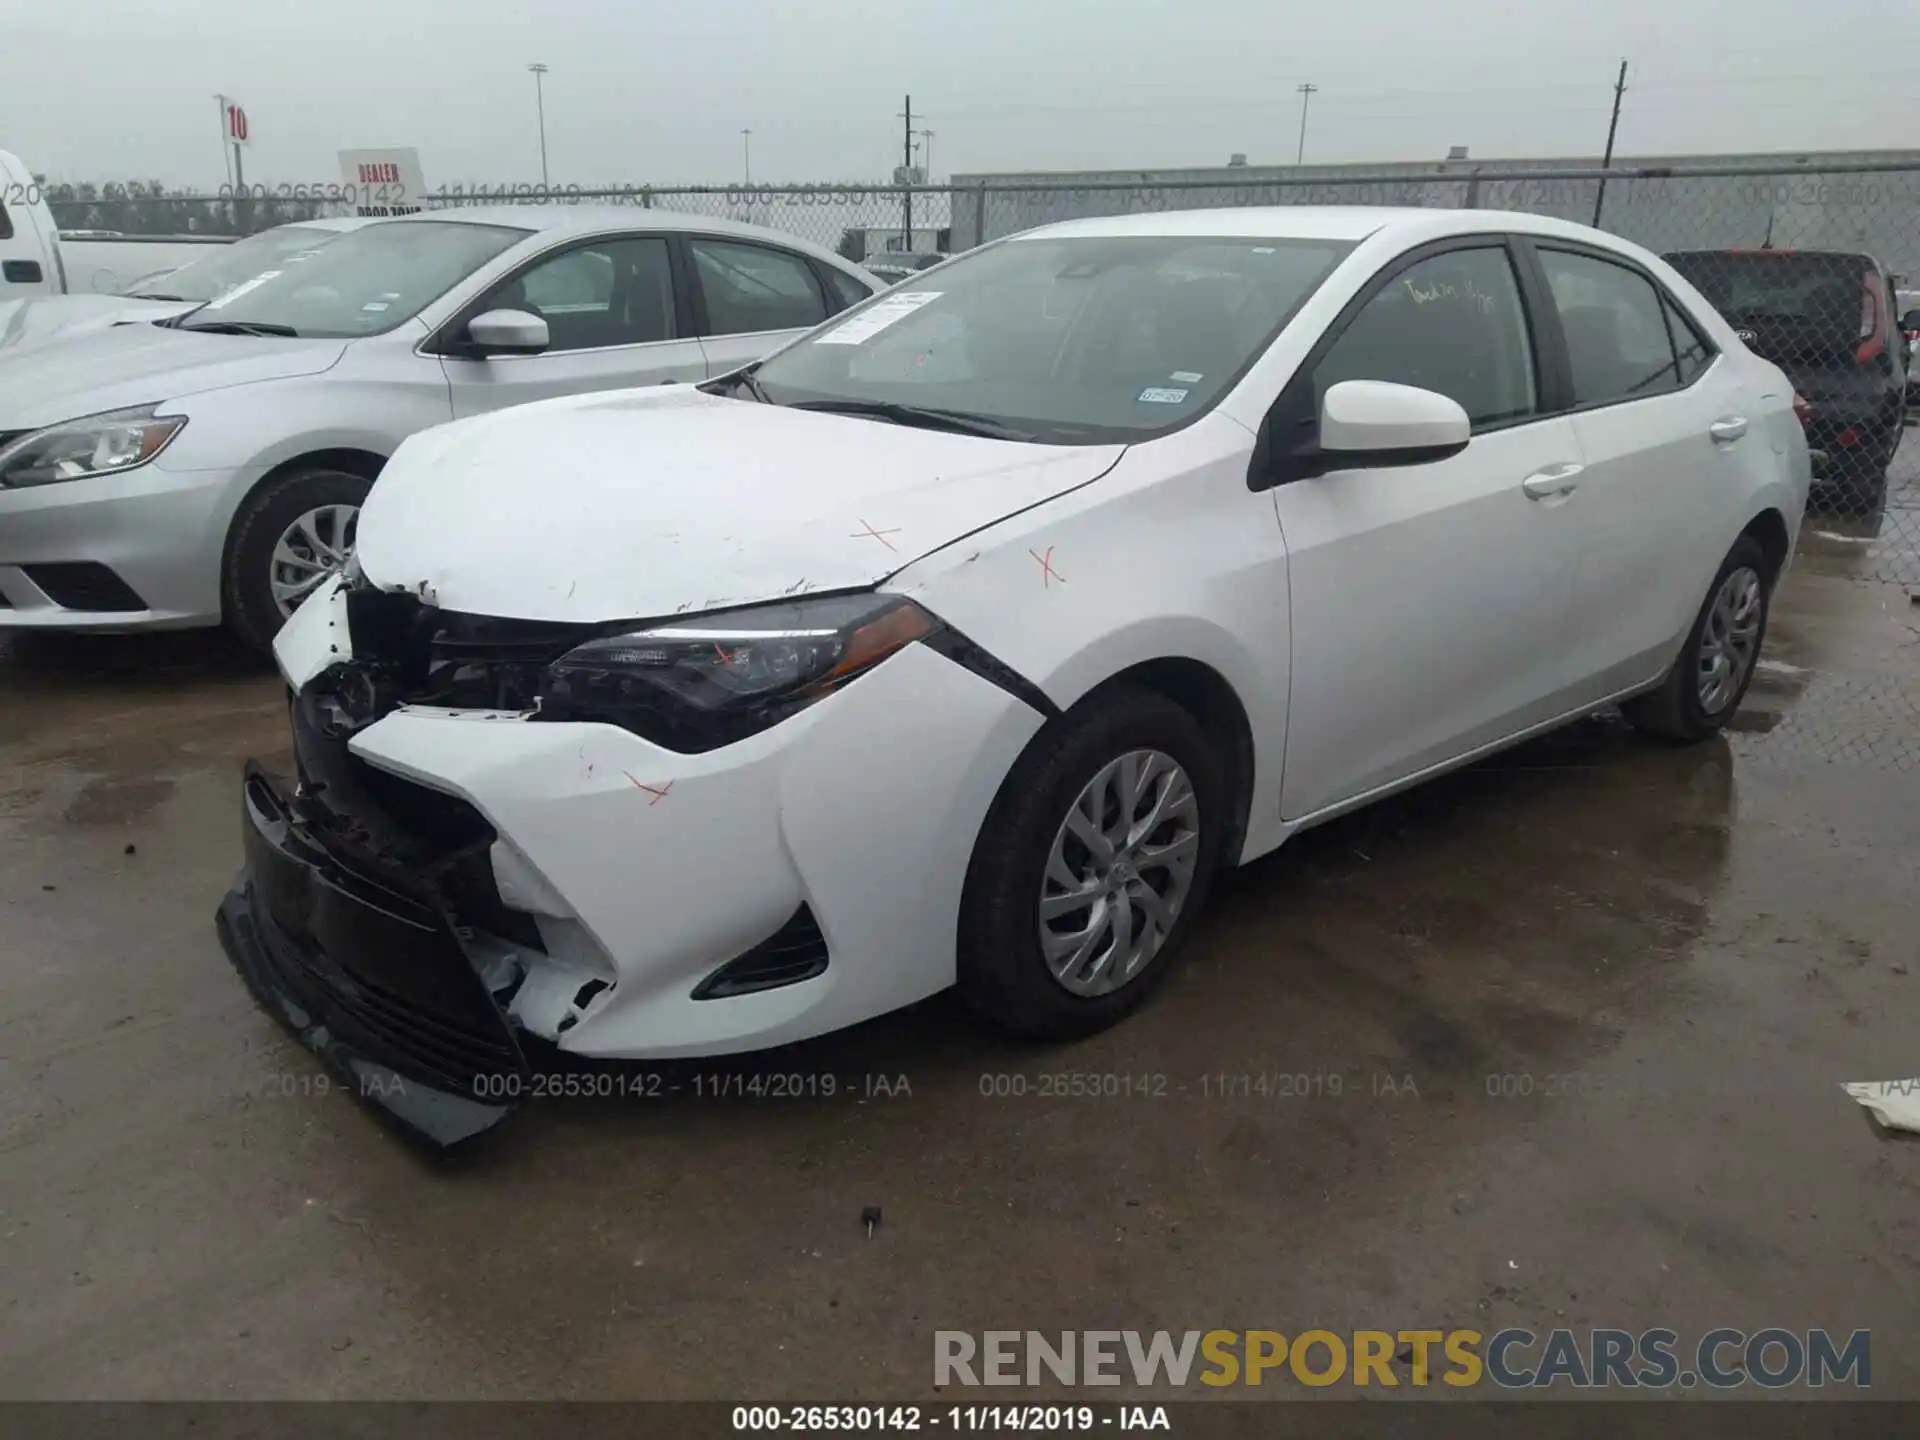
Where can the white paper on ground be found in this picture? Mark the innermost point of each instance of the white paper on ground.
(878, 316)
(1894, 1103)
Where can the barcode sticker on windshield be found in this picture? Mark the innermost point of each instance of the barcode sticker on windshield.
(878, 316)
(1161, 395)
(242, 288)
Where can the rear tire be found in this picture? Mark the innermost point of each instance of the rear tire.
(256, 559)
(1031, 865)
(1716, 663)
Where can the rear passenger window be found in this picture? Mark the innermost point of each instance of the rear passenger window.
(754, 287)
(1616, 329)
(1690, 350)
(1452, 323)
(847, 291)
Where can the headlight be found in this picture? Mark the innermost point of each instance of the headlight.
(700, 684)
(92, 445)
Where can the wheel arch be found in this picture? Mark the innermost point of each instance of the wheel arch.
(352, 459)
(1207, 695)
(1769, 528)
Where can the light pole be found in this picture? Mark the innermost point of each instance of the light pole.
(540, 108)
(746, 154)
(1306, 98)
(927, 135)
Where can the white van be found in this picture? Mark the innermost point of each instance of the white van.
(30, 261)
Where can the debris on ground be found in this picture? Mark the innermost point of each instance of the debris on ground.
(1894, 1103)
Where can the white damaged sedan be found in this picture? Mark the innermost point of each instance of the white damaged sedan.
(965, 639)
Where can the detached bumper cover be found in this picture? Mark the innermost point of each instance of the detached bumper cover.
(369, 974)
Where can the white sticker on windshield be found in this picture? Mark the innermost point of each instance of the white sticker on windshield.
(375, 306)
(1159, 395)
(1263, 249)
(1185, 377)
(228, 297)
(884, 312)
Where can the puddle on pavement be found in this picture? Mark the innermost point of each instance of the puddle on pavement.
(109, 801)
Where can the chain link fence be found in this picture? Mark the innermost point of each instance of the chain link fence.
(1832, 319)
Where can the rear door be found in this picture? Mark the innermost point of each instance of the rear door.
(1666, 427)
(751, 298)
(1429, 602)
(614, 314)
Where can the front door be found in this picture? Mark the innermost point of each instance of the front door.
(610, 313)
(1429, 603)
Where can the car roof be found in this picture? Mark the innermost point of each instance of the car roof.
(1409, 224)
(570, 219)
(333, 222)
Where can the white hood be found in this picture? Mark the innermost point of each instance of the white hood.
(656, 502)
(34, 321)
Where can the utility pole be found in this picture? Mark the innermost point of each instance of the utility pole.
(1306, 99)
(540, 107)
(906, 195)
(927, 135)
(746, 154)
(1613, 127)
(226, 157)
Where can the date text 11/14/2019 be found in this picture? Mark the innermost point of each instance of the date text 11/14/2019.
(698, 1085)
(963, 1419)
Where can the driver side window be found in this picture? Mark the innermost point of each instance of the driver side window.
(1451, 323)
(597, 295)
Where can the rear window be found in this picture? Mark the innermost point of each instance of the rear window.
(1818, 297)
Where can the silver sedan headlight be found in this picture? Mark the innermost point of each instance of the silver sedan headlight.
(92, 445)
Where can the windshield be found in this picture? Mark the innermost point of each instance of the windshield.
(1071, 341)
(225, 266)
(364, 283)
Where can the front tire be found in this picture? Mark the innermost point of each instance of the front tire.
(1098, 853)
(1708, 680)
(289, 536)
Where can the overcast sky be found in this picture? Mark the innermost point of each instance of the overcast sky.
(110, 89)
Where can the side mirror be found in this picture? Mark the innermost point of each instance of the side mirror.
(508, 332)
(1367, 423)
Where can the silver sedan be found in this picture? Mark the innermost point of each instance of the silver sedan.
(209, 467)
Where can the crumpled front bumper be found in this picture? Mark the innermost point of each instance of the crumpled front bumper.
(369, 972)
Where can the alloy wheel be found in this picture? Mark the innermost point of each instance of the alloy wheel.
(1119, 873)
(313, 547)
(1730, 640)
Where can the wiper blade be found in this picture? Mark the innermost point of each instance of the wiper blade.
(155, 295)
(743, 380)
(919, 416)
(242, 327)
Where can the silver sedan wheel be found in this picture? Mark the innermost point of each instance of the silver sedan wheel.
(310, 549)
(1730, 641)
(1119, 873)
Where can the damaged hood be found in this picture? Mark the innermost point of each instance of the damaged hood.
(662, 501)
(34, 321)
(126, 365)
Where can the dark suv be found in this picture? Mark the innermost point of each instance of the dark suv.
(1827, 319)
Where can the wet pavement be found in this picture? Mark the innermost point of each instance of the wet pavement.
(1554, 1041)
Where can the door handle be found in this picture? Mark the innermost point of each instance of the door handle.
(1726, 431)
(1554, 480)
